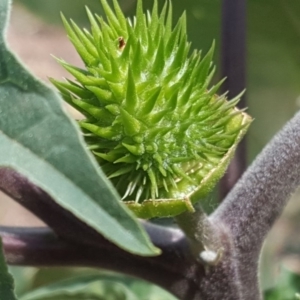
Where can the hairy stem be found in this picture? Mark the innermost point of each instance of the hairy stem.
(175, 270)
(257, 200)
(41, 247)
(203, 236)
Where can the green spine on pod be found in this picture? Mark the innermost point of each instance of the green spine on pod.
(158, 130)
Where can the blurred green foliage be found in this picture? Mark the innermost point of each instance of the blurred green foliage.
(203, 16)
(273, 67)
(287, 288)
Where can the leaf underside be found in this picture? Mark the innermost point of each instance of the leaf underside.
(41, 142)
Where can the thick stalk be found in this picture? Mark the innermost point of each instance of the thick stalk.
(257, 200)
(203, 236)
(233, 67)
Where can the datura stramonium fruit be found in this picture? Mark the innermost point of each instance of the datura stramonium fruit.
(158, 131)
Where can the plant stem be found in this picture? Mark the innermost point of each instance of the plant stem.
(259, 197)
(233, 66)
(174, 270)
(201, 233)
(41, 247)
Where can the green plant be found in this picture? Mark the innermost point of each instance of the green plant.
(46, 167)
(160, 134)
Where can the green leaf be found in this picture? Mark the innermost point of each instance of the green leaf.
(106, 286)
(83, 288)
(145, 291)
(40, 141)
(23, 278)
(6, 280)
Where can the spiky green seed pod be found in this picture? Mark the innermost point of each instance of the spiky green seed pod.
(159, 132)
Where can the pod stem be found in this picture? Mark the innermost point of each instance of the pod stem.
(203, 235)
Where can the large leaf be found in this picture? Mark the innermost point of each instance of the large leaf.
(6, 280)
(106, 286)
(23, 278)
(40, 141)
(85, 288)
